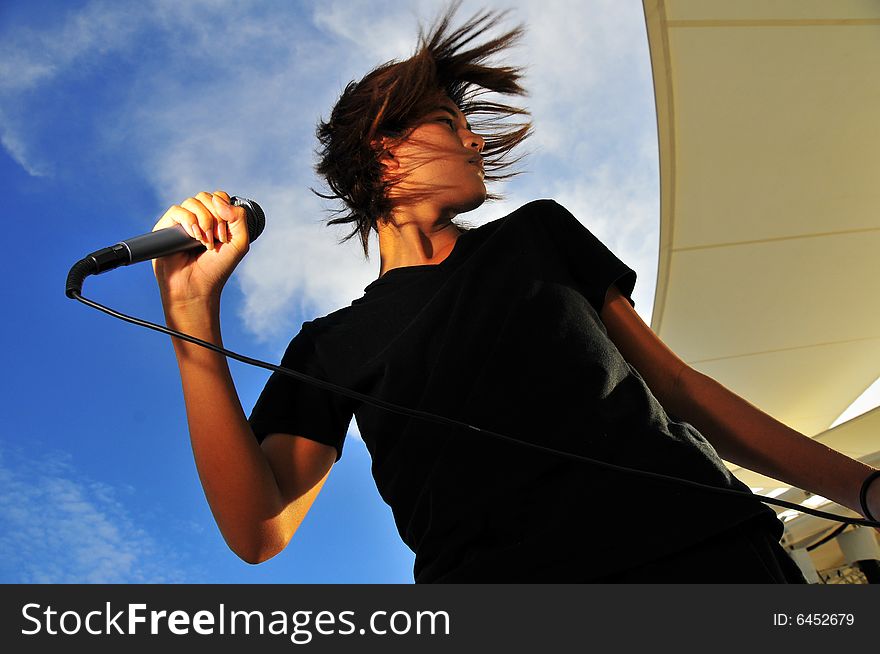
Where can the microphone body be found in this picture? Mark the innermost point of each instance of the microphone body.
(153, 245)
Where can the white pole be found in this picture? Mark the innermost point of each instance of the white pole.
(860, 544)
(805, 562)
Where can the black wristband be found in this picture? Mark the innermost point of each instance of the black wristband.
(863, 495)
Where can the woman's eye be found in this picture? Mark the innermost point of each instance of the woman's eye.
(449, 122)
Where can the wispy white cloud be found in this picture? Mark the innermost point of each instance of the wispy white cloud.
(31, 55)
(12, 141)
(299, 269)
(59, 526)
(378, 31)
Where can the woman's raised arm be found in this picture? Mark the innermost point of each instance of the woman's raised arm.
(258, 495)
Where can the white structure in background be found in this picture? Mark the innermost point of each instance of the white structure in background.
(770, 213)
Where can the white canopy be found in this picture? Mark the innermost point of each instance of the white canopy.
(768, 120)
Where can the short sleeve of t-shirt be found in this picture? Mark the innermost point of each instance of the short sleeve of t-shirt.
(593, 266)
(290, 406)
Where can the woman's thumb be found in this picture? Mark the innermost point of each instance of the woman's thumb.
(235, 219)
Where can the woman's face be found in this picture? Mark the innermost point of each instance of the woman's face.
(442, 162)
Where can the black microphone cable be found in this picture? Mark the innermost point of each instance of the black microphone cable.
(424, 415)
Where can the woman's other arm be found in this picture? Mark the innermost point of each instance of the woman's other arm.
(738, 430)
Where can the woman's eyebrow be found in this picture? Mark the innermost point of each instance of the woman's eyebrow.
(452, 113)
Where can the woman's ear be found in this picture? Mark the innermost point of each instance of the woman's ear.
(386, 154)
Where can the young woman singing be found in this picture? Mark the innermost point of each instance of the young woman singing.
(524, 326)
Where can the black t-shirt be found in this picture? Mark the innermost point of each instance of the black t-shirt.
(505, 334)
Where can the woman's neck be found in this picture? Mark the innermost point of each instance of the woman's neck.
(415, 242)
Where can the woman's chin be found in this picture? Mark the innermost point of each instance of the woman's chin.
(474, 201)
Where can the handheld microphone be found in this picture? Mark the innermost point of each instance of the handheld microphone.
(153, 245)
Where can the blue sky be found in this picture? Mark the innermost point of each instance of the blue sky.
(110, 112)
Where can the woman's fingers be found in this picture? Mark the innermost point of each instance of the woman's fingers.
(177, 215)
(225, 198)
(206, 220)
(221, 232)
(209, 218)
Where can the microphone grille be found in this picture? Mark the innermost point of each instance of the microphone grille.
(256, 219)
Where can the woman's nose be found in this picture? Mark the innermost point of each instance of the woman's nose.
(475, 141)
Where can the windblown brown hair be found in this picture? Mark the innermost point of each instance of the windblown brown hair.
(391, 99)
